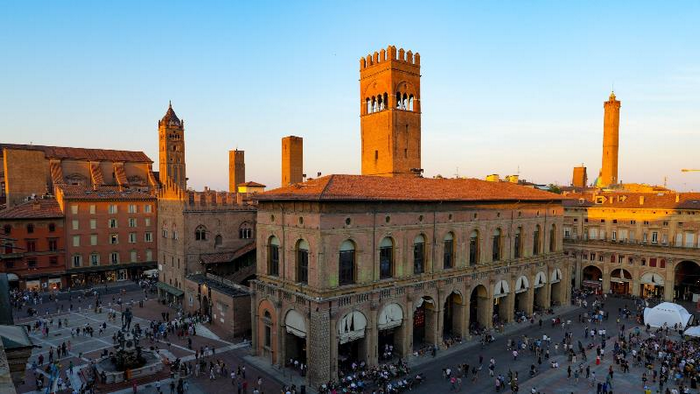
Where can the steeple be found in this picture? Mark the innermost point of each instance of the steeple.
(170, 118)
(171, 134)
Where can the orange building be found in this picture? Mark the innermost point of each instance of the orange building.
(236, 169)
(611, 142)
(292, 160)
(390, 113)
(580, 177)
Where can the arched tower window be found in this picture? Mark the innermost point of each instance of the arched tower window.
(346, 263)
(200, 233)
(273, 256)
(474, 248)
(218, 240)
(245, 231)
(380, 100)
(536, 241)
(410, 103)
(496, 248)
(398, 100)
(302, 261)
(368, 103)
(448, 252)
(386, 258)
(419, 255)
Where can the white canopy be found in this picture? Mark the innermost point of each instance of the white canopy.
(556, 276)
(540, 279)
(391, 316)
(12, 277)
(501, 289)
(352, 326)
(153, 272)
(651, 278)
(667, 313)
(693, 331)
(295, 324)
(521, 285)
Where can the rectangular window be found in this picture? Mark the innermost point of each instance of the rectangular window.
(148, 236)
(75, 224)
(664, 239)
(165, 233)
(53, 245)
(147, 208)
(74, 209)
(147, 222)
(652, 262)
(134, 256)
(31, 263)
(76, 240)
(93, 239)
(567, 233)
(273, 260)
(132, 238)
(149, 255)
(386, 257)
(31, 245)
(645, 237)
(614, 235)
(94, 259)
(448, 254)
(92, 209)
(114, 257)
(77, 261)
(689, 240)
(496, 248)
(654, 237)
(347, 267)
(620, 259)
(112, 223)
(303, 266)
(114, 239)
(93, 224)
(112, 209)
(418, 258)
(132, 222)
(592, 256)
(132, 208)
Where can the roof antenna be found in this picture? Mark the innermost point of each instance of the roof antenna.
(170, 103)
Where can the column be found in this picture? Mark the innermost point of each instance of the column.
(254, 323)
(529, 299)
(466, 316)
(372, 338)
(322, 347)
(485, 312)
(510, 306)
(281, 332)
(606, 276)
(579, 272)
(669, 280)
(407, 330)
(431, 324)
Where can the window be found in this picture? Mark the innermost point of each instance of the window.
(30, 228)
(92, 209)
(567, 232)
(93, 224)
(553, 239)
(53, 260)
(200, 233)
(52, 227)
(448, 251)
(114, 257)
(112, 223)
(645, 237)
(302, 261)
(147, 222)
(31, 245)
(346, 263)
(9, 264)
(165, 233)
(474, 248)
(53, 245)
(149, 255)
(601, 258)
(218, 240)
(620, 259)
(654, 237)
(114, 239)
(31, 263)
(112, 209)
(496, 245)
(7, 229)
(74, 209)
(268, 334)
(76, 240)
(652, 262)
(245, 231)
(132, 238)
(132, 222)
(94, 259)
(633, 222)
(8, 247)
(536, 241)
(134, 256)
(592, 256)
(148, 236)
(386, 258)
(419, 255)
(665, 224)
(77, 260)
(147, 208)
(93, 239)
(614, 235)
(132, 208)
(273, 256)
(517, 244)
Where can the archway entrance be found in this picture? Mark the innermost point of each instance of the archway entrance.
(521, 305)
(651, 285)
(620, 280)
(592, 278)
(501, 291)
(452, 316)
(478, 310)
(205, 306)
(687, 280)
(423, 322)
(389, 322)
(295, 339)
(352, 346)
(540, 297)
(556, 291)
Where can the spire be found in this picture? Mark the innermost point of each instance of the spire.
(612, 95)
(170, 117)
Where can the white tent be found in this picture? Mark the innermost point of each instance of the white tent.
(693, 331)
(667, 313)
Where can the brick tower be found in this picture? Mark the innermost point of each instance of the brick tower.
(236, 169)
(611, 141)
(171, 136)
(292, 160)
(390, 113)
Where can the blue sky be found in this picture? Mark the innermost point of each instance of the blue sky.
(505, 86)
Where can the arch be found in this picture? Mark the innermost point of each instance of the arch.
(474, 247)
(386, 258)
(556, 276)
(218, 240)
(522, 285)
(295, 323)
(200, 233)
(448, 248)
(346, 263)
(621, 273)
(652, 278)
(352, 327)
(478, 308)
(591, 272)
(245, 231)
(496, 245)
(391, 316)
(419, 254)
(686, 274)
(302, 263)
(273, 255)
(501, 289)
(540, 280)
(536, 241)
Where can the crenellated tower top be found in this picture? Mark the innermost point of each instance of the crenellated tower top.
(390, 54)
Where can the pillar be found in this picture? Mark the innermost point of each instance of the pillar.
(254, 323)
(322, 354)
(407, 330)
(579, 272)
(510, 306)
(606, 277)
(485, 313)
(281, 331)
(466, 316)
(372, 338)
(431, 324)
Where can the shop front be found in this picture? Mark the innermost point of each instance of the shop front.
(651, 285)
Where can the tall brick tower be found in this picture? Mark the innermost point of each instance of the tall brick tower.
(171, 136)
(236, 169)
(292, 160)
(611, 141)
(390, 113)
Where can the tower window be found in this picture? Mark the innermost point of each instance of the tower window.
(376, 155)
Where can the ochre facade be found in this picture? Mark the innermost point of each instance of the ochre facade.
(236, 169)
(292, 160)
(390, 113)
(611, 142)
(580, 177)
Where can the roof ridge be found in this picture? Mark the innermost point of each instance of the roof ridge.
(325, 188)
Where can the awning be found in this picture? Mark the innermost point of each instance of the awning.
(352, 326)
(12, 277)
(556, 276)
(295, 324)
(390, 317)
(651, 278)
(591, 283)
(501, 289)
(170, 289)
(521, 285)
(540, 279)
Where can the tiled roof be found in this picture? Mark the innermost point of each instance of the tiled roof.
(252, 184)
(77, 192)
(375, 188)
(60, 152)
(227, 257)
(170, 115)
(668, 200)
(40, 208)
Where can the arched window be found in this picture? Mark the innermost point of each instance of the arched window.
(474, 248)
(410, 103)
(553, 238)
(245, 231)
(380, 100)
(419, 255)
(536, 241)
(404, 102)
(398, 100)
(374, 104)
(346, 263)
(200, 233)
(218, 240)
(517, 243)
(448, 252)
(369, 105)
(30, 228)
(386, 258)
(496, 245)
(302, 261)
(273, 256)
(386, 100)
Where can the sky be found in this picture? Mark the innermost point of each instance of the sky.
(507, 87)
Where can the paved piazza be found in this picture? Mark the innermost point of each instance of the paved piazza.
(548, 380)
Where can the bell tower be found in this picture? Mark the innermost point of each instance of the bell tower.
(390, 113)
(171, 137)
(611, 141)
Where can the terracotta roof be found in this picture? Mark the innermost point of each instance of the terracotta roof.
(227, 257)
(668, 200)
(40, 208)
(60, 152)
(375, 188)
(77, 192)
(252, 184)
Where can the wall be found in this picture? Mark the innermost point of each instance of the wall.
(26, 173)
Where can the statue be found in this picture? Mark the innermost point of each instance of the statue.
(126, 319)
